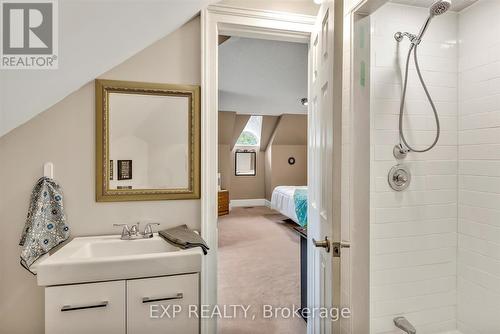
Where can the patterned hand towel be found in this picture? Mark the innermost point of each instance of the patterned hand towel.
(45, 226)
(183, 237)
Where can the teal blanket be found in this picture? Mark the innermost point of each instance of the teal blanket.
(300, 200)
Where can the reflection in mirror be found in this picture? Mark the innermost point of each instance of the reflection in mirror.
(147, 141)
(245, 163)
(149, 135)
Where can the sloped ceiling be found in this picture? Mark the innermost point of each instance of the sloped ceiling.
(226, 127)
(231, 125)
(290, 130)
(94, 36)
(269, 124)
(240, 121)
(262, 77)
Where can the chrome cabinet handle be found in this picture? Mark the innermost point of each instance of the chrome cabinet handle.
(66, 308)
(145, 300)
(322, 244)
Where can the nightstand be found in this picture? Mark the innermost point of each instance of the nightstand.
(223, 202)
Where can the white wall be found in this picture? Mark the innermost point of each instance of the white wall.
(64, 134)
(479, 169)
(413, 233)
(356, 156)
(275, 75)
(94, 36)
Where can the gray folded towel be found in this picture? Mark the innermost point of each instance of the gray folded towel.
(183, 237)
(45, 226)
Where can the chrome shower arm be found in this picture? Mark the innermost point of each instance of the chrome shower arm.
(414, 39)
(400, 35)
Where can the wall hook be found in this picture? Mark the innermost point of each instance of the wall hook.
(48, 170)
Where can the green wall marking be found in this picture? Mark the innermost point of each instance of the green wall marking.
(362, 74)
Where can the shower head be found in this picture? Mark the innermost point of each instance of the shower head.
(439, 7)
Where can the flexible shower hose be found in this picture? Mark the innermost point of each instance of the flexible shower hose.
(413, 48)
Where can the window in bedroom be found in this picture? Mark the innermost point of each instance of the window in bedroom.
(250, 136)
(245, 155)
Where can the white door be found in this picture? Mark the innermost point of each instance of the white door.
(321, 168)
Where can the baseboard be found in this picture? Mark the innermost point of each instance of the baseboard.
(268, 203)
(234, 203)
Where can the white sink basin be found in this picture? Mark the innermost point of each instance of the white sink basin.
(110, 247)
(90, 259)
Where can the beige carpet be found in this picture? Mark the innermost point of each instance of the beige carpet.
(259, 264)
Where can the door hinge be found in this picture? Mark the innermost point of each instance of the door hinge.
(337, 247)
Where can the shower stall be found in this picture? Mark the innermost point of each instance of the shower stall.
(434, 245)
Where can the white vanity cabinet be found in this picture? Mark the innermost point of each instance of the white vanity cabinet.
(85, 308)
(175, 294)
(124, 306)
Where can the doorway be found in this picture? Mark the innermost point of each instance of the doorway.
(323, 285)
(262, 189)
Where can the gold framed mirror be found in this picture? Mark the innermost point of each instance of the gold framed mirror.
(147, 141)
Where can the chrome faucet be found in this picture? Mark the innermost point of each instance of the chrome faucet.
(132, 232)
(125, 231)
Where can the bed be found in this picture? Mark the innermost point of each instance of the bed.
(291, 201)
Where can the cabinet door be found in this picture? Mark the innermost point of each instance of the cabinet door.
(148, 298)
(97, 308)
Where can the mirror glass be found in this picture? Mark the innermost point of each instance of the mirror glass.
(245, 163)
(148, 141)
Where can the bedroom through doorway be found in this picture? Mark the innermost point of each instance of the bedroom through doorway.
(262, 196)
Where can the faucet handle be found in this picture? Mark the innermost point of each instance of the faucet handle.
(148, 230)
(134, 229)
(125, 230)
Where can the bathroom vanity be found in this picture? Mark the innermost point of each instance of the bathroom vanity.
(133, 283)
(113, 286)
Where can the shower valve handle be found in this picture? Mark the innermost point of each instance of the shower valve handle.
(400, 178)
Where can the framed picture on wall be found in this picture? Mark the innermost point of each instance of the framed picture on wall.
(124, 169)
(245, 163)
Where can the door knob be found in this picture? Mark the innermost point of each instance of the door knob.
(323, 244)
(337, 247)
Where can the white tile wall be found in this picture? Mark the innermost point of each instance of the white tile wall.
(478, 283)
(414, 233)
(433, 260)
